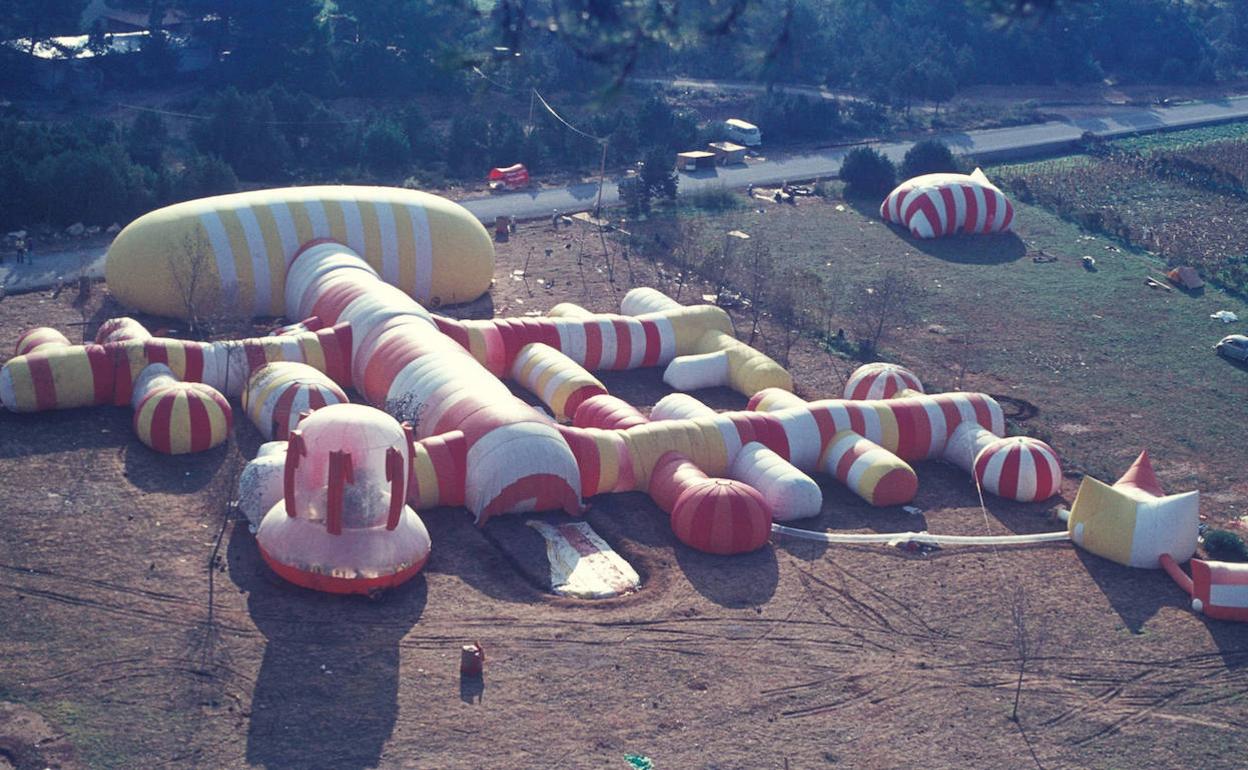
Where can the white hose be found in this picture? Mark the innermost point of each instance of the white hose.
(919, 537)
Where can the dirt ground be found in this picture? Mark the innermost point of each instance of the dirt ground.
(138, 620)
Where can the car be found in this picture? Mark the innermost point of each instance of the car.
(1234, 347)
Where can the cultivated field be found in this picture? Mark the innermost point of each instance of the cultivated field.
(1180, 195)
(137, 618)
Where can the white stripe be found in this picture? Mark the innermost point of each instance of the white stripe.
(424, 253)
(839, 412)
(872, 429)
(732, 438)
(1026, 475)
(389, 243)
(859, 467)
(286, 229)
(998, 216)
(992, 469)
(607, 359)
(354, 224)
(220, 243)
(1228, 595)
(637, 342)
(966, 410)
(263, 300)
(316, 215)
(572, 338)
(942, 212)
(802, 433)
(940, 431)
(981, 209)
(959, 208)
(920, 227)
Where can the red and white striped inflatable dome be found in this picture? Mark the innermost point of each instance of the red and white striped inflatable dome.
(722, 516)
(871, 382)
(1019, 468)
(935, 205)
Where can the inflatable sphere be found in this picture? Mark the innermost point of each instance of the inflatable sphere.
(182, 417)
(722, 516)
(1019, 468)
(229, 253)
(935, 205)
(344, 525)
(871, 382)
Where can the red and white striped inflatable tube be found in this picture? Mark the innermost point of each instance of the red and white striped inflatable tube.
(935, 205)
(879, 380)
(1019, 468)
(278, 393)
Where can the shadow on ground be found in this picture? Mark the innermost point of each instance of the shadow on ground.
(327, 692)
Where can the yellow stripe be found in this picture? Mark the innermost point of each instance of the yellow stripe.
(180, 425)
(313, 352)
(71, 371)
(476, 342)
(426, 479)
(407, 247)
(216, 419)
(23, 385)
(245, 301)
(372, 235)
(277, 258)
(608, 460)
(176, 354)
(303, 223)
(336, 218)
(889, 438)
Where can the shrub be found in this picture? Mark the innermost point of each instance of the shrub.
(1224, 545)
(241, 130)
(930, 156)
(385, 147)
(203, 176)
(146, 139)
(717, 198)
(867, 173)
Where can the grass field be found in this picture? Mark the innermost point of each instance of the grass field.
(1113, 365)
(1180, 195)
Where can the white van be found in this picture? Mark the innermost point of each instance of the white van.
(741, 132)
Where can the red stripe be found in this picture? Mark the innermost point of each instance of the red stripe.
(281, 413)
(585, 450)
(1007, 485)
(949, 224)
(453, 329)
(194, 362)
(593, 345)
(41, 380)
(162, 415)
(858, 447)
(156, 352)
(201, 425)
(990, 208)
(907, 433)
(623, 343)
(654, 343)
(1009, 216)
(862, 386)
(983, 415)
(972, 208)
(255, 355)
(1044, 474)
(102, 371)
(857, 423)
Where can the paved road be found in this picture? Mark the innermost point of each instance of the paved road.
(988, 144)
(998, 143)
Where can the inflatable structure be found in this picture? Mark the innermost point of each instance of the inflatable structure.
(334, 494)
(935, 205)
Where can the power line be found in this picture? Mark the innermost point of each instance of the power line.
(192, 116)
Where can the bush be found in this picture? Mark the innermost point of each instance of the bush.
(385, 147)
(930, 156)
(1224, 545)
(204, 176)
(146, 139)
(867, 173)
(241, 129)
(715, 199)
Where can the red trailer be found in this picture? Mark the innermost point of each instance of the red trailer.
(511, 178)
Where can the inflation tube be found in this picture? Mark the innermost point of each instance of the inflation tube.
(837, 538)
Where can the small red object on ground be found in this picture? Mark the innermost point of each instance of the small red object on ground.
(471, 659)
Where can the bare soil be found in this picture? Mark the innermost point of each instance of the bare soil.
(137, 618)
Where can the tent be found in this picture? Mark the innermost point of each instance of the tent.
(1186, 277)
(509, 178)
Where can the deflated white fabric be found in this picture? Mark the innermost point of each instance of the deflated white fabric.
(260, 483)
(790, 493)
(707, 370)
